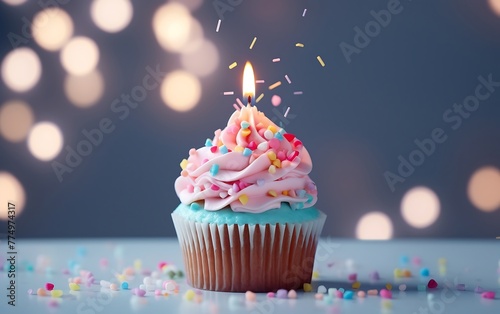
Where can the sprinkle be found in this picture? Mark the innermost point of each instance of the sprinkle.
(218, 26)
(238, 149)
(214, 169)
(298, 93)
(49, 286)
(460, 287)
(253, 42)
(277, 163)
(270, 294)
(273, 86)
(320, 61)
(189, 295)
(385, 294)
(348, 295)
(352, 277)
(247, 152)
(315, 274)
(402, 287)
(223, 149)
(56, 293)
(356, 285)
(272, 169)
(114, 287)
(271, 155)
(416, 261)
(406, 273)
(235, 106)
(361, 294)
(183, 164)
(246, 132)
(259, 98)
(301, 45)
(303, 14)
(307, 287)
(372, 292)
(214, 149)
(260, 82)
(488, 295)
(388, 286)
(233, 65)
(292, 155)
(41, 292)
(274, 143)
(292, 294)
(250, 296)
(276, 60)
(272, 193)
(263, 146)
(195, 206)
(73, 286)
(252, 145)
(332, 291)
(228, 93)
(268, 135)
(341, 290)
(478, 289)
(301, 193)
(424, 272)
(208, 142)
(240, 103)
(243, 199)
(339, 294)
(397, 273)
(276, 100)
(288, 79)
(214, 187)
(244, 124)
(124, 284)
(281, 294)
(432, 284)
(318, 296)
(321, 289)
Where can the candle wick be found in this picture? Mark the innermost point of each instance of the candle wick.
(249, 99)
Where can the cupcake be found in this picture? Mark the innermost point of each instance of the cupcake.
(246, 221)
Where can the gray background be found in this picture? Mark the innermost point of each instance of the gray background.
(355, 118)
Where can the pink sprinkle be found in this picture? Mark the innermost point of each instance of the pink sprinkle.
(288, 79)
(238, 101)
(274, 143)
(218, 26)
(233, 129)
(242, 185)
(65, 271)
(252, 145)
(303, 14)
(292, 155)
(318, 296)
(488, 295)
(261, 132)
(276, 60)
(236, 188)
(260, 81)
(339, 294)
(270, 294)
(416, 261)
(190, 189)
(286, 112)
(140, 292)
(386, 294)
(30, 291)
(214, 187)
(432, 284)
(157, 292)
(281, 155)
(204, 160)
(228, 93)
(235, 106)
(276, 100)
(49, 286)
(250, 296)
(297, 93)
(352, 277)
(361, 294)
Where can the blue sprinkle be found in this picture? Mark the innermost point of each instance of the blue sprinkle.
(195, 206)
(208, 143)
(281, 131)
(124, 285)
(247, 152)
(30, 268)
(404, 260)
(328, 299)
(81, 251)
(223, 149)
(421, 287)
(300, 205)
(279, 136)
(301, 193)
(341, 290)
(244, 125)
(348, 295)
(214, 169)
(309, 198)
(424, 272)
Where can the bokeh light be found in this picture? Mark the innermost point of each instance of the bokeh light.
(420, 207)
(111, 15)
(84, 90)
(16, 119)
(484, 189)
(203, 60)
(172, 24)
(195, 37)
(11, 191)
(52, 28)
(181, 90)
(495, 6)
(14, 2)
(374, 226)
(21, 69)
(45, 141)
(80, 56)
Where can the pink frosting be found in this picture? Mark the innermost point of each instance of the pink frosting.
(236, 168)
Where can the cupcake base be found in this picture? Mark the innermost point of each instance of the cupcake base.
(239, 258)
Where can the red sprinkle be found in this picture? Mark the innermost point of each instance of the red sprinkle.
(488, 295)
(432, 284)
(214, 187)
(214, 149)
(352, 277)
(49, 286)
(161, 264)
(289, 137)
(252, 145)
(297, 144)
(292, 155)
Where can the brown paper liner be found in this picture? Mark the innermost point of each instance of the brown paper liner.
(239, 258)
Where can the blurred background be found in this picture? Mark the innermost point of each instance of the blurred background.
(397, 103)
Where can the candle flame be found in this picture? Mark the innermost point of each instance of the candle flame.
(248, 81)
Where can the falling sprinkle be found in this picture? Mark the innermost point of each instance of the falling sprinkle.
(299, 45)
(233, 65)
(253, 42)
(288, 79)
(228, 93)
(278, 83)
(240, 103)
(286, 112)
(320, 61)
(260, 81)
(276, 60)
(297, 93)
(218, 25)
(259, 98)
(236, 107)
(303, 14)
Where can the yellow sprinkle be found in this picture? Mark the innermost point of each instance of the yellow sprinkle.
(253, 42)
(388, 286)
(315, 274)
(277, 163)
(272, 169)
(183, 164)
(272, 193)
(259, 98)
(137, 264)
(73, 286)
(271, 155)
(243, 199)
(398, 273)
(307, 287)
(233, 65)
(320, 61)
(278, 83)
(356, 285)
(246, 132)
(272, 128)
(238, 148)
(284, 192)
(121, 277)
(56, 293)
(301, 45)
(189, 295)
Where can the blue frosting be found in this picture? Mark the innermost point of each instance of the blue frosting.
(284, 214)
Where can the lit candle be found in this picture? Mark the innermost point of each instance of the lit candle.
(248, 83)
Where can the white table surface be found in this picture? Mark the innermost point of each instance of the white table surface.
(472, 262)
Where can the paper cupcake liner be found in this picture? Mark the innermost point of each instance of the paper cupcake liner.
(239, 258)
